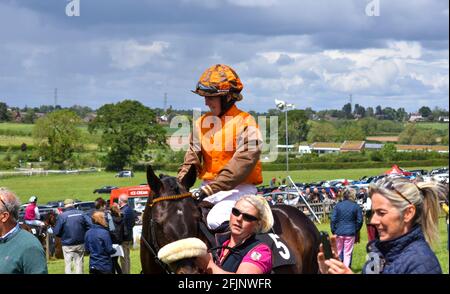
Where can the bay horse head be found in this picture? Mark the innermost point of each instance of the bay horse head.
(171, 214)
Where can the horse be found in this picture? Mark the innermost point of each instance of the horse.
(171, 214)
(41, 234)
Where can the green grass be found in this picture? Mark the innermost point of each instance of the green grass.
(359, 253)
(23, 128)
(433, 125)
(15, 140)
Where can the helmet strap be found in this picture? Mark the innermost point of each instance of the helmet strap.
(226, 102)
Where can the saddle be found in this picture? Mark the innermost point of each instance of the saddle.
(37, 231)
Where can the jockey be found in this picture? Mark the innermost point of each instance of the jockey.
(225, 145)
(32, 216)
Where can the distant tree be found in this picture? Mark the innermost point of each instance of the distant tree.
(409, 132)
(127, 129)
(424, 137)
(298, 127)
(4, 116)
(425, 111)
(378, 110)
(439, 112)
(369, 112)
(347, 110)
(388, 151)
(322, 132)
(389, 113)
(351, 132)
(57, 136)
(30, 116)
(23, 147)
(309, 112)
(359, 110)
(402, 115)
(369, 126)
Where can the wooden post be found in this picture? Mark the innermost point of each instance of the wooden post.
(47, 245)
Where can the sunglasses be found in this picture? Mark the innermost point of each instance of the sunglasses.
(4, 204)
(247, 217)
(390, 186)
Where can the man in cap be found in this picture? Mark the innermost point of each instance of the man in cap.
(71, 226)
(225, 146)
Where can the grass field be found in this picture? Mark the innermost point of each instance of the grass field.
(15, 140)
(359, 253)
(25, 128)
(59, 187)
(433, 125)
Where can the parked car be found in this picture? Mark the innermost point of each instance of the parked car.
(105, 189)
(125, 174)
(84, 205)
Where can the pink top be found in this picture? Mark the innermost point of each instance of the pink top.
(30, 214)
(260, 255)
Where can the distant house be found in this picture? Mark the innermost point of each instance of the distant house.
(373, 146)
(443, 119)
(325, 147)
(352, 146)
(410, 148)
(304, 149)
(89, 117)
(415, 117)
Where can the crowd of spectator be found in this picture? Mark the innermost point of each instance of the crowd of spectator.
(105, 234)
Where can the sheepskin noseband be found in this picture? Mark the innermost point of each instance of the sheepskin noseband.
(181, 249)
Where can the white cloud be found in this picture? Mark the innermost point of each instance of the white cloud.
(130, 54)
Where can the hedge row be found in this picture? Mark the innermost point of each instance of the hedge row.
(16, 148)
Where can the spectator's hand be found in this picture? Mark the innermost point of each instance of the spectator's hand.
(337, 267)
(323, 265)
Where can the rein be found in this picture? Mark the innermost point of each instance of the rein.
(154, 247)
(171, 197)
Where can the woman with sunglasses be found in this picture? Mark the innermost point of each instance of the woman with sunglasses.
(225, 146)
(240, 252)
(405, 215)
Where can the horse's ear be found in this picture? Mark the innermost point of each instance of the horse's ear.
(189, 178)
(153, 181)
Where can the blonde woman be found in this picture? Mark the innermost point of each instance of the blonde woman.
(406, 217)
(241, 253)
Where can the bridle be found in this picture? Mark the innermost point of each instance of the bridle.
(154, 247)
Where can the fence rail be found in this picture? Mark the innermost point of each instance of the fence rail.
(40, 172)
(321, 209)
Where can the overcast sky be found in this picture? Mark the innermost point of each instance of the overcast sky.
(313, 53)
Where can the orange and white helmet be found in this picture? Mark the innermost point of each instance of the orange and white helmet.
(219, 80)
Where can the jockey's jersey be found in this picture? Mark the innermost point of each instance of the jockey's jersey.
(221, 138)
